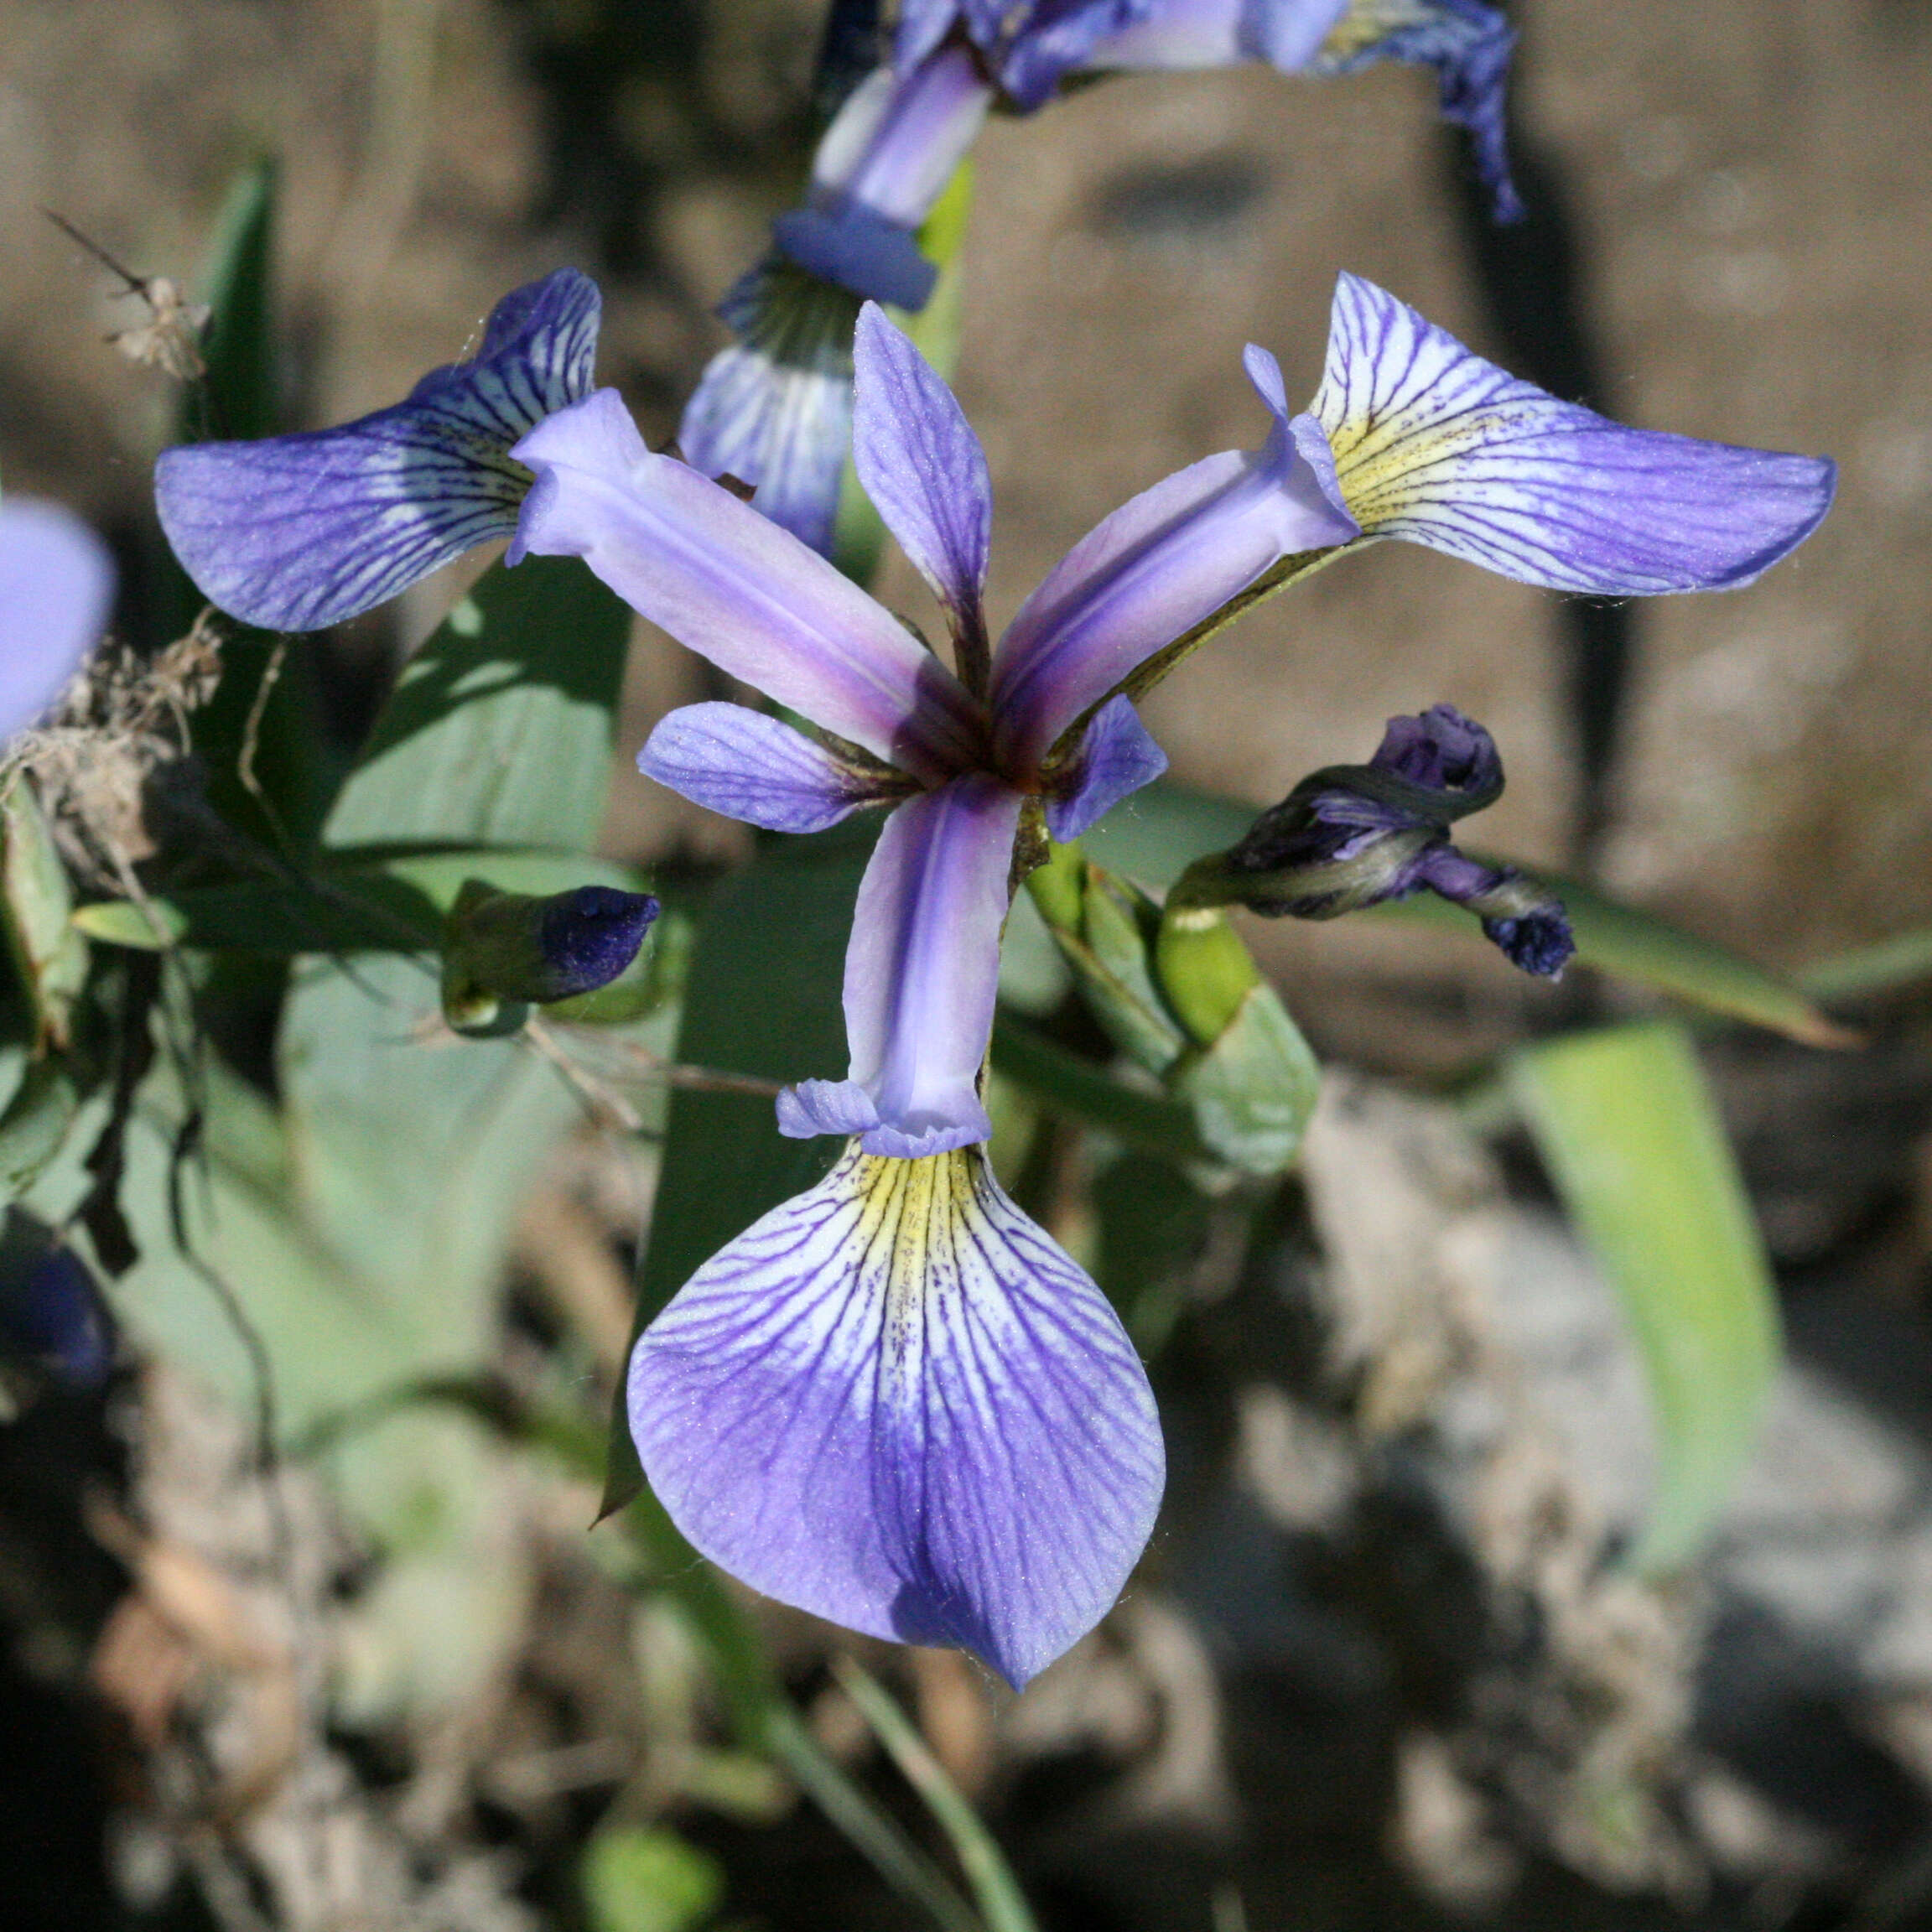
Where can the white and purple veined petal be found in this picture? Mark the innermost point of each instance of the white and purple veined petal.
(775, 409)
(923, 468)
(1182, 34)
(879, 169)
(1164, 562)
(296, 532)
(56, 586)
(733, 760)
(1433, 444)
(737, 589)
(922, 974)
(1467, 43)
(896, 1403)
(1116, 757)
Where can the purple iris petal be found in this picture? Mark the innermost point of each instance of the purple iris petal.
(896, 1403)
(881, 165)
(56, 584)
(815, 1107)
(1191, 33)
(1058, 36)
(922, 26)
(1433, 444)
(774, 410)
(1468, 44)
(1117, 757)
(1158, 565)
(923, 466)
(923, 966)
(730, 759)
(295, 533)
(737, 589)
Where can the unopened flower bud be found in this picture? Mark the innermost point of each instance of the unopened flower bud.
(503, 952)
(1353, 835)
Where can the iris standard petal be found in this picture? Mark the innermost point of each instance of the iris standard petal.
(880, 167)
(922, 26)
(896, 1403)
(738, 590)
(1158, 565)
(1435, 444)
(774, 410)
(1117, 756)
(1468, 44)
(1193, 33)
(730, 759)
(923, 965)
(923, 466)
(295, 533)
(56, 584)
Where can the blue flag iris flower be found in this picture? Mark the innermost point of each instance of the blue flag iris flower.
(893, 1401)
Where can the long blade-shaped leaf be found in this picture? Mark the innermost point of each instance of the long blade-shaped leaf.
(1626, 1124)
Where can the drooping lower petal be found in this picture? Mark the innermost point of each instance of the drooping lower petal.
(923, 468)
(737, 589)
(1435, 444)
(56, 584)
(774, 410)
(1117, 756)
(1467, 43)
(296, 532)
(1161, 564)
(896, 1403)
(923, 969)
(730, 759)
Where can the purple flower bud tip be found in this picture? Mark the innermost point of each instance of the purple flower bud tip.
(1539, 943)
(589, 935)
(1440, 749)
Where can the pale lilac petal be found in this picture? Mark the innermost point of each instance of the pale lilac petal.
(922, 26)
(738, 589)
(296, 532)
(1117, 757)
(1195, 34)
(1435, 444)
(879, 169)
(1161, 564)
(730, 759)
(815, 1107)
(1467, 43)
(894, 1402)
(56, 584)
(775, 410)
(923, 966)
(1058, 37)
(923, 466)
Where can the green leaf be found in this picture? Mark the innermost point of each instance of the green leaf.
(501, 727)
(1905, 960)
(351, 903)
(1002, 1905)
(641, 1880)
(764, 997)
(1627, 1129)
(1090, 1095)
(1153, 1222)
(35, 1120)
(1253, 1090)
(1157, 834)
(242, 392)
(241, 396)
(51, 956)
